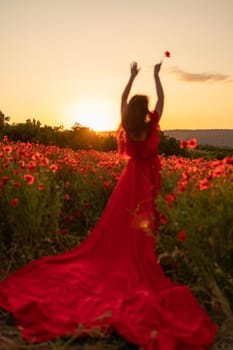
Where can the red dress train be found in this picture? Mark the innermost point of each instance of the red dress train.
(112, 280)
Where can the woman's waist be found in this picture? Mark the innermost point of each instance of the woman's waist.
(143, 156)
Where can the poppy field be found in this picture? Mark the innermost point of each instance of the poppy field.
(50, 198)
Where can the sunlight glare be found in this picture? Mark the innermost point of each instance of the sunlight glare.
(95, 114)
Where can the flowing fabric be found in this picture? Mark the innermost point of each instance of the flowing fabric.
(112, 280)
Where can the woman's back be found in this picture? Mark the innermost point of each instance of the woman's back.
(145, 147)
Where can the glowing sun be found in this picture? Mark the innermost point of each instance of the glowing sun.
(93, 113)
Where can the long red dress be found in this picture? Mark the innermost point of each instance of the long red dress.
(112, 280)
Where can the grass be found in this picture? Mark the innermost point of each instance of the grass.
(11, 339)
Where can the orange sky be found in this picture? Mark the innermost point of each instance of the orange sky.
(68, 60)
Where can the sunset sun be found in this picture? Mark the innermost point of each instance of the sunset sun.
(96, 114)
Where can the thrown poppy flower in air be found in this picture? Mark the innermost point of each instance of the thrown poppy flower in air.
(167, 54)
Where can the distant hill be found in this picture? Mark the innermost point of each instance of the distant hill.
(213, 137)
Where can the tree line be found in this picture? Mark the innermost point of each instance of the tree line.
(78, 137)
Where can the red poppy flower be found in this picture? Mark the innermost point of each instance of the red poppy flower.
(181, 236)
(15, 172)
(21, 163)
(7, 149)
(44, 162)
(54, 168)
(167, 54)
(30, 179)
(192, 143)
(31, 165)
(5, 139)
(69, 218)
(5, 179)
(40, 186)
(66, 197)
(228, 160)
(17, 184)
(204, 184)
(170, 198)
(182, 185)
(183, 144)
(218, 171)
(64, 231)
(107, 184)
(15, 202)
(163, 219)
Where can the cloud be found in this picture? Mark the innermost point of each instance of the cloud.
(198, 77)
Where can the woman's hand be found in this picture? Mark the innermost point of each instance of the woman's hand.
(157, 69)
(134, 69)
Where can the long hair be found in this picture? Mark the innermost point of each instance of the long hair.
(137, 117)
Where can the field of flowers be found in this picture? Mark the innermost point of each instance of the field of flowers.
(51, 197)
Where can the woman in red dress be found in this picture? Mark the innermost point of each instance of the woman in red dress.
(112, 280)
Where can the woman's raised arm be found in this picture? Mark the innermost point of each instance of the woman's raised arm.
(159, 90)
(133, 73)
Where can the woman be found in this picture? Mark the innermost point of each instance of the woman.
(112, 280)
